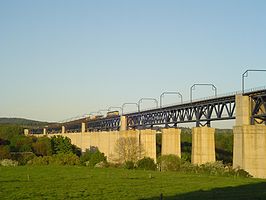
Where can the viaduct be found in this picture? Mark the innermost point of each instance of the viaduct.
(247, 108)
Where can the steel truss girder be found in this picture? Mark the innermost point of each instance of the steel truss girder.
(106, 124)
(258, 110)
(200, 112)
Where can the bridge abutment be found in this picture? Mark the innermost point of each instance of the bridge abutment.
(203, 145)
(249, 140)
(171, 142)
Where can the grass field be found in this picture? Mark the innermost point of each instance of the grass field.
(50, 182)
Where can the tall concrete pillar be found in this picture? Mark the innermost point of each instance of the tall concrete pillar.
(203, 145)
(148, 140)
(250, 149)
(171, 143)
(63, 129)
(249, 140)
(123, 121)
(83, 127)
(243, 110)
(26, 132)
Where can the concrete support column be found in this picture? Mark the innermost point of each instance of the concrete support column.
(148, 140)
(83, 127)
(26, 132)
(123, 125)
(243, 110)
(249, 140)
(63, 129)
(203, 145)
(250, 149)
(171, 143)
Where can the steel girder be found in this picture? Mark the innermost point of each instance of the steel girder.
(202, 112)
(105, 124)
(258, 109)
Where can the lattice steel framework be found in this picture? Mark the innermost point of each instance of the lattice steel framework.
(258, 114)
(202, 112)
(105, 124)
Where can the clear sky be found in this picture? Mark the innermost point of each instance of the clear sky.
(60, 59)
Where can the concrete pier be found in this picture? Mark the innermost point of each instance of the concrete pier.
(203, 145)
(171, 143)
(249, 140)
(250, 149)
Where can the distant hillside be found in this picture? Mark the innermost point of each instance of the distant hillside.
(21, 122)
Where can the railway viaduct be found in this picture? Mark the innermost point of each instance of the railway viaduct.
(248, 109)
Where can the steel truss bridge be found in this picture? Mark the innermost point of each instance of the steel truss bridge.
(202, 112)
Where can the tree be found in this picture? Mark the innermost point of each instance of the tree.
(92, 156)
(128, 149)
(42, 147)
(61, 144)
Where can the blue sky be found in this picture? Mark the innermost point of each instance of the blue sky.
(60, 59)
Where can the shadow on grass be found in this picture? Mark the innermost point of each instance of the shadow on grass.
(249, 192)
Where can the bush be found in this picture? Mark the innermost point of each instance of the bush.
(65, 159)
(169, 163)
(146, 164)
(4, 152)
(42, 147)
(22, 157)
(58, 159)
(129, 165)
(40, 160)
(92, 156)
(8, 163)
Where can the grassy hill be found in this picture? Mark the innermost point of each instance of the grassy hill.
(21, 122)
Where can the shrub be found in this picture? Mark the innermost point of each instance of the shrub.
(5, 152)
(215, 168)
(129, 165)
(8, 163)
(169, 163)
(92, 156)
(42, 147)
(22, 157)
(65, 159)
(146, 164)
(58, 159)
(40, 160)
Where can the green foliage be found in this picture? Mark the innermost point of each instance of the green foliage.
(92, 156)
(169, 163)
(62, 145)
(57, 159)
(4, 152)
(129, 165)
(224, 145)
(42, 147)
(21, 122)
(8, 163)
(146, 164)
(22, 157)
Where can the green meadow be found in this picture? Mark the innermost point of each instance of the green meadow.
(78, 182)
